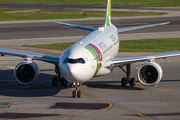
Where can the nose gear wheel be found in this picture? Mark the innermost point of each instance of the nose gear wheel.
(76, 92)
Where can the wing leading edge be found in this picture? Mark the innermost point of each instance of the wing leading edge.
(132, 59)
(25, 54)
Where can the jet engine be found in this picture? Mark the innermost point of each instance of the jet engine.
(150, 73)
(26, 72)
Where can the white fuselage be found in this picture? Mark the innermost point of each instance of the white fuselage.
(87, 57)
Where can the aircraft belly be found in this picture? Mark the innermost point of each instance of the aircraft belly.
(103, 71)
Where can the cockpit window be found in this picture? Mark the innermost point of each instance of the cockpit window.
(73, 61)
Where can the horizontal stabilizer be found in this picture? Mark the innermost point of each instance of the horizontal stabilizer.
(139, 27)
(77, 26)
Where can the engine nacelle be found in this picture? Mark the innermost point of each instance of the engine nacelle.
(150, 73)
(26, 72)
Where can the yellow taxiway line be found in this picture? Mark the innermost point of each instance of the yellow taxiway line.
(117, 106)
(11, 104)
(110, 105)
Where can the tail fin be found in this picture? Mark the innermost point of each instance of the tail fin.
(108, 14)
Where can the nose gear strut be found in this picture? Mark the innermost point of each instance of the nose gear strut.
(76, 92)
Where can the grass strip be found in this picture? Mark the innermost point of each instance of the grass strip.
(64, 14)
(3, 105)
(150, 45)
(167, 3)
(144, 45)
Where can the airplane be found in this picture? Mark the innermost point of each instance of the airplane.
(93, 55)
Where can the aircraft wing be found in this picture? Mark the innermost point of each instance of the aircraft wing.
(132, 59)
(139, 27)
(77, 26)
(25, 54)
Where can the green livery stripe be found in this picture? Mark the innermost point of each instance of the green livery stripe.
(93, 52)
(108, 13)
(96, 54)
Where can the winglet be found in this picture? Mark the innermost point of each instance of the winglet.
(108, 14)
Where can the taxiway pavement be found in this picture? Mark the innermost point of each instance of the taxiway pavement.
(102, 97)
(77, 7)
(46, 31)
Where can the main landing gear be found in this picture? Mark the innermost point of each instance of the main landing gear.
(58, 79)
(76, 92)
(127, 79)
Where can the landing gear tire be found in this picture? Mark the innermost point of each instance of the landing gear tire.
(55, 81)
(132, 82)
(63, 82)
(126, 80)
(78, 94)
(123, 82)
(74, 94)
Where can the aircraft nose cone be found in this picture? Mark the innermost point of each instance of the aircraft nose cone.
(78, 73)
(75, 73)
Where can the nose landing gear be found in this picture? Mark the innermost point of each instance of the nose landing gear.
(76, 92)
